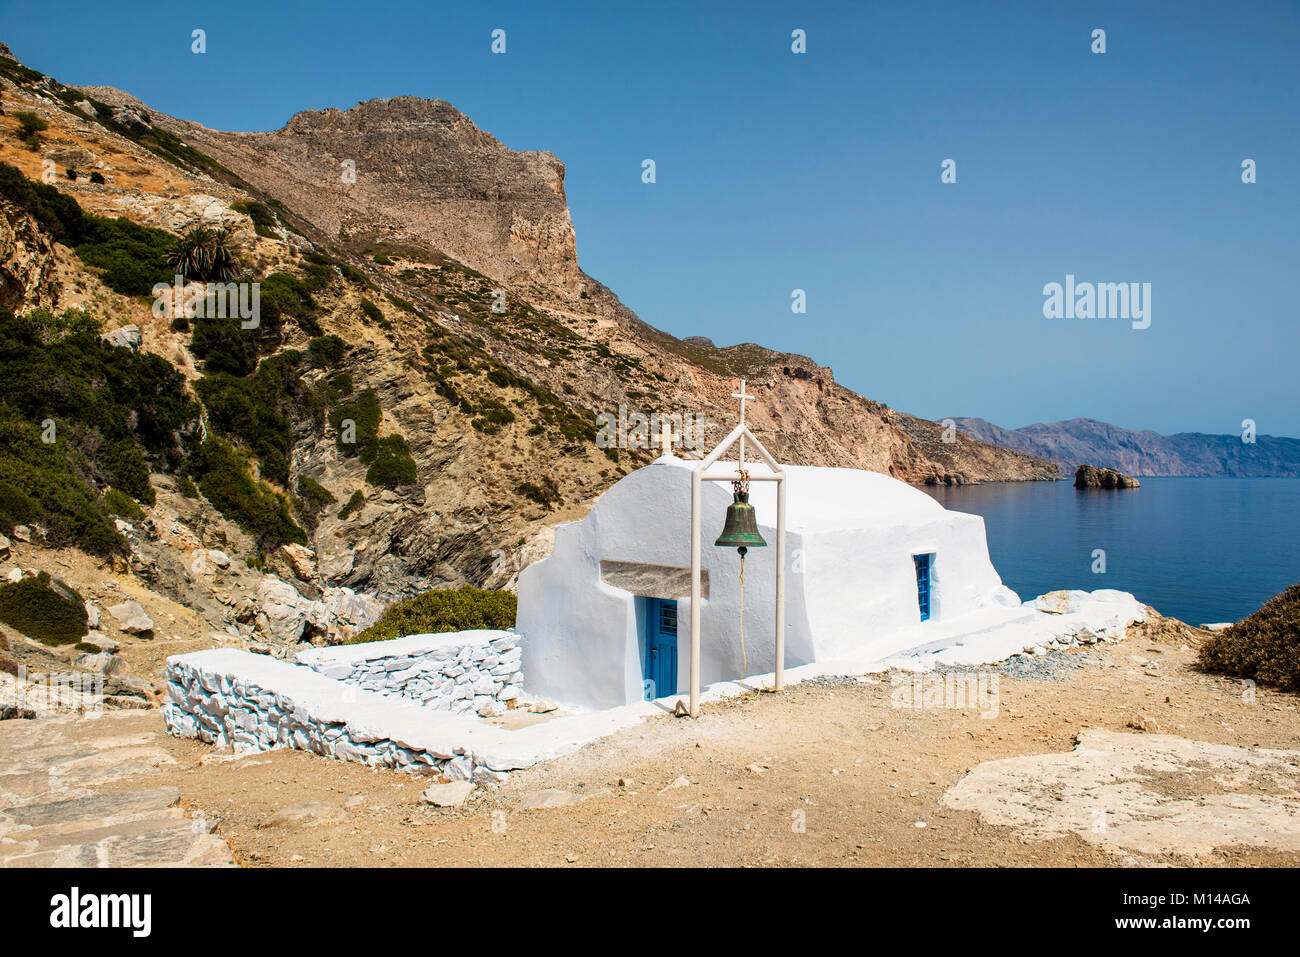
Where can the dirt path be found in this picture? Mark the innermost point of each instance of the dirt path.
(828, 773)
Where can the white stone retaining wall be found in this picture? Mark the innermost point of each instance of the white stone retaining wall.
(255, 703)
(465, 672)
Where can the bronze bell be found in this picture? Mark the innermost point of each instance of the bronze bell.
(741, 528)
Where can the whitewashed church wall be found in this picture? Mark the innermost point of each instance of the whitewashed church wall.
(848, 590)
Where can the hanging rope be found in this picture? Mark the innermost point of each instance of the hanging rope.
(744, 660)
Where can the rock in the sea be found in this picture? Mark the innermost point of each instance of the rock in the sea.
(131, 618)
(1089, 476)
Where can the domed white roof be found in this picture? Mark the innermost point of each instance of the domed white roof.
(823, 499)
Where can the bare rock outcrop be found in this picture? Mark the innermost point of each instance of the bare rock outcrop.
(1089, 476)
(412, 169)
(27, 261)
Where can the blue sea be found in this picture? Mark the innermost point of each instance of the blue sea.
(1199, 549)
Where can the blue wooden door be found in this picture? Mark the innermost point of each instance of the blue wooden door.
(923, 565)
(661, 647)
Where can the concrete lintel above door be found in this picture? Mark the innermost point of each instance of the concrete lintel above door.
(653, 581)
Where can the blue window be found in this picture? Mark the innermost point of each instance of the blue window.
(924, 565)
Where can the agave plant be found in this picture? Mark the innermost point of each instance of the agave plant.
(204, 253)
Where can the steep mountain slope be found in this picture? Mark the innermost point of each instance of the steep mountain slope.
(429, 181)
(1076, 442)
(436, 303)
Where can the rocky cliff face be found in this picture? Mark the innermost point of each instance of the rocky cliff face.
(429, 183)
(410, 170)
(442, 225)
(1076, 442)
(27, 261)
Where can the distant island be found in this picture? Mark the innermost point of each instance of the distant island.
(1077, 442)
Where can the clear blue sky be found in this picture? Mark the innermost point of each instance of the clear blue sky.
(821, 171)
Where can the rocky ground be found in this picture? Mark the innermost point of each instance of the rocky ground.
(219, 601)
(88, 791)
(1119, 754)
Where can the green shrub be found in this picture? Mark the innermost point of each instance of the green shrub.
(131, 257)
(372, 312)
(185, 485)
(285, 297)
(392, 464)
(314, 495)
(122, 505)
(40, 484)
(56, 213)
(113, 414)
(97, 177)
(353, 504)
(458, 609)
(70, 173)
(223, 477)
(1264, 647)
(341, 383)
(223, 346)
(29, 124)
(264, 221)
(354, 275)
(327, 351)
(250, 410)
(491, 416)
(544, 494)
(43, 609)
(363, 413)
(88, 647)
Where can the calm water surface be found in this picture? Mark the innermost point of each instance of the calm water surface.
(1199, 549)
